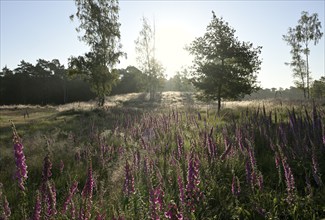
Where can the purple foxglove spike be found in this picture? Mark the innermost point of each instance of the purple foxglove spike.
(61, 166)
(20, 160)
(233, 186)
(128, 187)
(37, 208)
(6, 208)
(173, 212)
(47, 167)
(87, 191)
(68, 200)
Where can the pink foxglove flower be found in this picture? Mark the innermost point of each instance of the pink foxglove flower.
(173, 212)
(37, 208)
(61, 166)
(72, 191)
(87, 191)
(128, 187)
(21, 167)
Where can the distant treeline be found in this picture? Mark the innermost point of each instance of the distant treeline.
(317, 91)
(49, 82)
(291, 93)
(45, 83)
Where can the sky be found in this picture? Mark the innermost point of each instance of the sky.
(32, 30)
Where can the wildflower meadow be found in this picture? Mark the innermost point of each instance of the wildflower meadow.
(166, 162)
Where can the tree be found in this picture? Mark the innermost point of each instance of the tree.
(318, 88)
(298, 64)
(179, 82)
(308, 30)
(99, 21)
(59, 71)
(149, 65)
(223, 66)
(131, 80)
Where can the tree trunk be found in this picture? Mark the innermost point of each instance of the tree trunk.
(307, 70)
(219, 99)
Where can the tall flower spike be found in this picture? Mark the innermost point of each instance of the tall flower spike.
(173, 212)
(61, 166)
(128, 188)
(37, 207)
(156, 202)
(21, 167)
(72, 191)
(193, 194)
(87, 191)
(51, 198)
(47, 167)
(6, 212)
(181, 190)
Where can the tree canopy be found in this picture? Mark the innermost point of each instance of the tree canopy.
(148, 64)
(224, 67)
(44, 83)
(306, 31)
(99, 21)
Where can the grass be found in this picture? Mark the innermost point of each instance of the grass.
(143, 154)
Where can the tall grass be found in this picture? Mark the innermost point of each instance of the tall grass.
(247, 163)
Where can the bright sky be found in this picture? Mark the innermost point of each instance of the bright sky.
(31, 30)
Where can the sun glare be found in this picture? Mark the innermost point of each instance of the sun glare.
(171, 40)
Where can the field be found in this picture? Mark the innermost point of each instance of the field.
(175, 158)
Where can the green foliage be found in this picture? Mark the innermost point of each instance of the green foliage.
(224, 67)
(306, 31)
(100, 78)
(131, 80)
(298, 64)
(148, 64)
(99, 20)
(318, 88)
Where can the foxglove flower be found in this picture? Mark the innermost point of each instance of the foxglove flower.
(21, 167)
(47, 167)
(72, 191)
(37, 207)
(87, 191)
(156, 202)
(51, 196)
(61, 166)
(315, 171)
(173, 212)
(180, 147)
(235, 186)
(6, 209)
(181, 190)
(193, 194)
(290, 182)
(128, 188)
